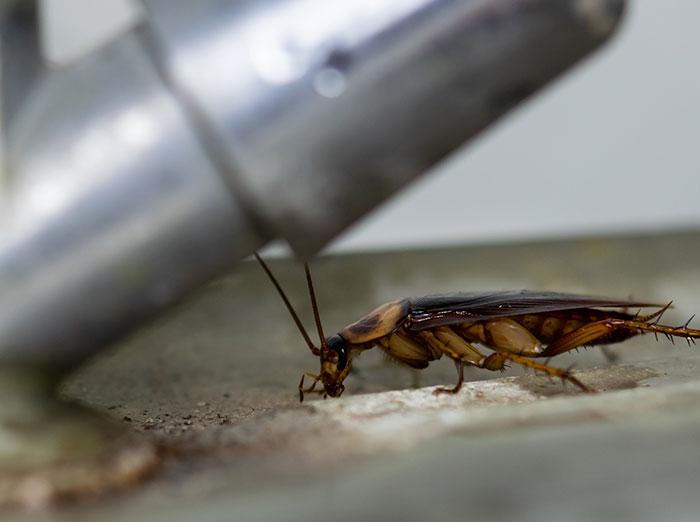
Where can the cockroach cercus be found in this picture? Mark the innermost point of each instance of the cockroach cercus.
(517, 326)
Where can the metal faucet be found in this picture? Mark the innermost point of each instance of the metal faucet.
(166, 156)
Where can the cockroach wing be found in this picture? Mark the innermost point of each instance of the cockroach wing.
(445, 309)
(378, 323)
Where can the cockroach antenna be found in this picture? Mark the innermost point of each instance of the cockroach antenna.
(314, 305)
(289, 306)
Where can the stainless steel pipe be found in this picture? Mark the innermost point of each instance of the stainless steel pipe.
(159, 161)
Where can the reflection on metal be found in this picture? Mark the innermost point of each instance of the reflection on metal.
(90, 25)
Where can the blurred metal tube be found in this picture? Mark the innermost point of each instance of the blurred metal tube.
(155, 164)
(113, 209)
(320, 110)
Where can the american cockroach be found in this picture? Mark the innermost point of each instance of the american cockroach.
(517, 326)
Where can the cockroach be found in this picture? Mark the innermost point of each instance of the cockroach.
(517, 326)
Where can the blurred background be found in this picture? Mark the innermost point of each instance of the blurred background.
(592, 187)
(615, 140)
(610, 148)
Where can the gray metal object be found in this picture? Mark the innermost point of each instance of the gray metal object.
(342, 103)
(113, 211)
(156, 163)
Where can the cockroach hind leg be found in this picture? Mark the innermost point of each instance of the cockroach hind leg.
(687, 323)
(567, 376)
(656, 316)
(573, 380)
(564, 375)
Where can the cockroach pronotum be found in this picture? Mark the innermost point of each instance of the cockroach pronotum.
(518, 326)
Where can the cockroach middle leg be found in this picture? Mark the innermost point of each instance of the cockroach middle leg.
(445, 340)
(460, 380)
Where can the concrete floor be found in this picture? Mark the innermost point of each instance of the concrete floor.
(214, 383)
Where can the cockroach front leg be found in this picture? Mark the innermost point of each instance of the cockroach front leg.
(311, 388)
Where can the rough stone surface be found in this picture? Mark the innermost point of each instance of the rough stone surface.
(214, 383)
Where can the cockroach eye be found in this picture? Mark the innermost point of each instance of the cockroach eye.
(339, 346)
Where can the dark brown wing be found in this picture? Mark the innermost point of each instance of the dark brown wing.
(437, 310)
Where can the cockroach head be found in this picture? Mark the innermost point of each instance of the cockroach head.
(334, 361)
(333, 351)
(337, 344)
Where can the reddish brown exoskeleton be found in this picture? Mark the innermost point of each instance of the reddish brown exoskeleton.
(518, 326)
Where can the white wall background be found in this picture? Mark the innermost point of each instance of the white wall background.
(614, 146)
